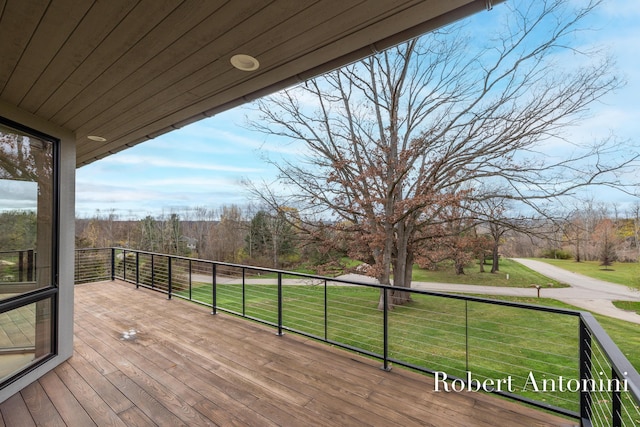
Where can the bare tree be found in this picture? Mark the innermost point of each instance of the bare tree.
(393, 139)
(230, 233)
(493, 213)
(635, 216)
(605, 234)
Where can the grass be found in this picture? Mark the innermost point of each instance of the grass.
(441, 334)
(624, 334)
(621, 273)
(518, 275)
(628, 305)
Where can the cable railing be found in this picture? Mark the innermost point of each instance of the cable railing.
(555, 359)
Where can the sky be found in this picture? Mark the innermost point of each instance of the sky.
(204, 164)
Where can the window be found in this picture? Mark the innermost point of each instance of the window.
(28, 248)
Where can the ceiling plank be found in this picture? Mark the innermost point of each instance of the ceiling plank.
(17, 23)
(96, 25)
(138, 22)
(59, 21)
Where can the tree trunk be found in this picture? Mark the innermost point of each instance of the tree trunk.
(402, 271)
(495, 266)
(385, 276)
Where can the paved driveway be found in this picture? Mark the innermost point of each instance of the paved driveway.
(584, 292)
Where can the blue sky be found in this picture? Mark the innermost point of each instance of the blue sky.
(204, 164)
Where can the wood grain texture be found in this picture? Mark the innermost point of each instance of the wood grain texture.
(187, 367)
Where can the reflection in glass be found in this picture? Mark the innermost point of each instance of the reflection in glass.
(25, 336)
(26, 201)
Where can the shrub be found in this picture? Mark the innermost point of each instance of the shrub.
(556, 254)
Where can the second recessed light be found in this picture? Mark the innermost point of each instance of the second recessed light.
(245, 62)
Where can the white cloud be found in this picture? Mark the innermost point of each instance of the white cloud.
(133, 159)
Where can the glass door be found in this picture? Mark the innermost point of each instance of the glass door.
(28, 249)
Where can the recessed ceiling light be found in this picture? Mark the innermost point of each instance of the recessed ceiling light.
(245, 62)
(96, 138)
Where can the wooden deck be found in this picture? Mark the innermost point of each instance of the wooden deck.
(184, 366)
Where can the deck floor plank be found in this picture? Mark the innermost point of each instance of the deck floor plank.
(188, 367)
(40, 406)
(66, 403)
(109, 393)
(15, 412)
(91, 401)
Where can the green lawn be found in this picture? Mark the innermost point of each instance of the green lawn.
(518, 275)
(626, 335)
(628, 305)
(438, 333)
(622, 273)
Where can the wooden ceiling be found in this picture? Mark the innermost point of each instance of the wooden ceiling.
(129, 70)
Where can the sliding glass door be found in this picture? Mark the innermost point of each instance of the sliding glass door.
(28, 249)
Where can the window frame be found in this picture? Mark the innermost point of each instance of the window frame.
(51, 291)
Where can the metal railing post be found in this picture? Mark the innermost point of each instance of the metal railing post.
(113, 263)
(326, 309)
(214, 301)
(169, 276)
(153, 272)
(466, 334)
(616, 401)
(280, 304)
(20, 266)
(585, 372)
(137, 270)
(30, 266)
(385, 329)
(124, 265)
(244, 310)
(190, 282)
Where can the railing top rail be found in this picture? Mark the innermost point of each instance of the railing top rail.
(373, 285)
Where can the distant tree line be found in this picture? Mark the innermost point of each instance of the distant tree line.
(266, 238)
(228, 234)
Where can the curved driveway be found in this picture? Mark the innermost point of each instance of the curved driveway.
(584, 292)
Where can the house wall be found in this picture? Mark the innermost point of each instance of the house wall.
(67, 242)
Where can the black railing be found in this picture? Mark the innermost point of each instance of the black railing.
(556, 359)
